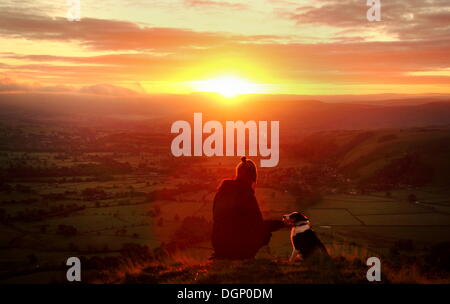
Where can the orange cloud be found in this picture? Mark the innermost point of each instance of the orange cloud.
(160, 53)
(8, 85)
(100, 34)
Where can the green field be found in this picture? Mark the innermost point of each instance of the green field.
(146, 202)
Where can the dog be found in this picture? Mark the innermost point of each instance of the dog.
(304, 240)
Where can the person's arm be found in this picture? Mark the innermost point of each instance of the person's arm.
(251, 208)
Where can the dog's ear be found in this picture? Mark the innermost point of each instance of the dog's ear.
(299, 217)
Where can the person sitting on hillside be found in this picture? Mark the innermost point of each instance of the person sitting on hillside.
(239, 230)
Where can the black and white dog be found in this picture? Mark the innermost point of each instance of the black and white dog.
(304, 240)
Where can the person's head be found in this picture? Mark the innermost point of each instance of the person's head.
(246, 171)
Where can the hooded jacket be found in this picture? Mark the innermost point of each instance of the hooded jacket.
(238, 226)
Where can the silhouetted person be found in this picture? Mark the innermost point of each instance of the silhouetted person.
(239, 230)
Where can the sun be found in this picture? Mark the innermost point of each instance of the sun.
(228, 86)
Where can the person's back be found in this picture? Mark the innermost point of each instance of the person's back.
(239, 230)
(238, 223)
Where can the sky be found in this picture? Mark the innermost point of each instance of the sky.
(305, 47)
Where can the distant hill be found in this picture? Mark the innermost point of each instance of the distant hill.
(158, 112)
(416, 157)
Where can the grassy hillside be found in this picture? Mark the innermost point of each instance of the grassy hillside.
(347, 265)
(118, 200)
(408, 157)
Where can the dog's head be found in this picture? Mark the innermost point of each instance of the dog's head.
(294, 218)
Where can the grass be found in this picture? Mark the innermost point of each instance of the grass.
(373, 220)
(258, 271)
(347, 265)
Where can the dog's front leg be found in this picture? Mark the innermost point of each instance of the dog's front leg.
(293, 255)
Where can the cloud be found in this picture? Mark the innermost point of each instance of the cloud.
(7, 85)
(351, 62)
(404, 19)
(107, 90)
(336, 14)
(214, 4)
(136, 60)
(160, 53)
(79, 70)
(100, 34)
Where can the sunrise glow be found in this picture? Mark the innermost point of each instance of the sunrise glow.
(203, 46)
(228, 86)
